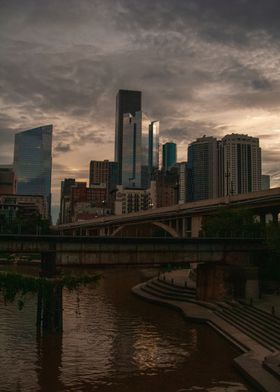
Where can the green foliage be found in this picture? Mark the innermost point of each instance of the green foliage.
(24, 224)
(14, 285)
(231, 222)
(273, 237)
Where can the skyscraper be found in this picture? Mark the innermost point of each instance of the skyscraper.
(104, 173)
(33, 162)
(169, 156)
(127, 101)
(203, 169)
(241, 164)
(140, 150)
(153, 157)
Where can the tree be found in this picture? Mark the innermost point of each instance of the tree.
(231, 222)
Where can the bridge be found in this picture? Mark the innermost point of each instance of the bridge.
(69, 250)
(221, 261)
(178, 221)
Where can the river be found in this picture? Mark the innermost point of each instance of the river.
(113, 341)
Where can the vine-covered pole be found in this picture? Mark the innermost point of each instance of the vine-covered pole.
(49, 306)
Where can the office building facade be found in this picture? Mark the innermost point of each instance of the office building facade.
(203, 169)
(169, 156)
(127, 101)
(140, 150)
(33, 162)
(135, 199)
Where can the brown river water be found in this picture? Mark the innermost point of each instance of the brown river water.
(113, 341)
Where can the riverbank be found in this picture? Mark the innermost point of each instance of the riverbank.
(260, 358)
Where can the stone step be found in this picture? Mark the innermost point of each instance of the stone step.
(258, 338)
(254, 317)
(265, 327)
(255, 325)
(156, 293)
(261, 312)
(179, 288)
(171, 294)
(190, 293)
(250, 329)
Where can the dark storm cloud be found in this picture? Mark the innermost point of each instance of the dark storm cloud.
(62, 147)
(236, 17)
(192, 130)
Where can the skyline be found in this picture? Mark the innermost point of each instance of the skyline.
(203, 67)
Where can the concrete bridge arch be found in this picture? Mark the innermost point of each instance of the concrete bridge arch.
(145, 229)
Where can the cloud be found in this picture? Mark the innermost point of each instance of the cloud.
(62, 147)
(205, 67)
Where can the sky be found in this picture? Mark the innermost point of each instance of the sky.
(205, 67)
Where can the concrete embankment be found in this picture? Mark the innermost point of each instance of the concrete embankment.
(255, 333)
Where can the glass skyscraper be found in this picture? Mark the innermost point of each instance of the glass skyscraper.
(127, 101)
(203, 169)
(153, 148)
(169, 156)
(140, 150)
(33, 162)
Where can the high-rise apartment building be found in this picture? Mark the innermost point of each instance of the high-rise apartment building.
(203, 169)
(104, 173)
(33, 162)
(241, 164)
(169, 155)
(140, 150)
(98, 172)
(222, 168)
(127, 101)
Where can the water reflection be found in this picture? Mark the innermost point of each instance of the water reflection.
(113, 342)
(49, 362)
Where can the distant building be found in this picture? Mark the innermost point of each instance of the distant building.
(7, 180)
(98, 172)
(104, 172)
(33, 162)
(27, 205)
(87, 203)
(203, 169)
(140, 150)
(153, 154)
(167, 187)
(227, 167)
(169, 155)
(183, 181)
(127, 101)
(134, 199)
(65, 214)
(265, 182)
(241, 164)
